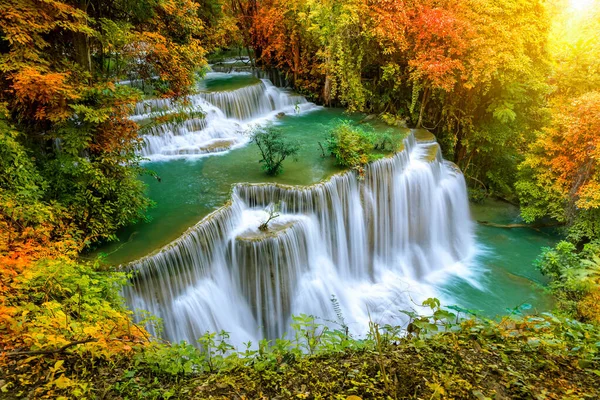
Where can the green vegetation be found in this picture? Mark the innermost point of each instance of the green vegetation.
(444, 354)
(350, 145)
(354, 146)
(60, 319)
(574, 279)
(274, 149)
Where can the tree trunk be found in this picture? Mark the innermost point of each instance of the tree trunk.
(252, 62)
(423, 104)
(459, 150)
(513, 226)
(295, 55)
(327, 91)
(81, 44)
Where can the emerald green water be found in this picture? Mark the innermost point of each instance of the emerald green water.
(505, 264)
(189, 189)
(220, 82)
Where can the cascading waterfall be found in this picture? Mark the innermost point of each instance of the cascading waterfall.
(224, 123)
(253, 101)
(378, 245)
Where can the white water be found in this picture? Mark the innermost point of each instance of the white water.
(379, 245)
(228, 117)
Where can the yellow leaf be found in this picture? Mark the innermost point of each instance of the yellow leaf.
(58, 364)
(62, 382)
(90, 330)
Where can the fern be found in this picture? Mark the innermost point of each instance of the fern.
(338, 312)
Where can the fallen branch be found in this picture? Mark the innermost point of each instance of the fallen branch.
(511, 226)
(53, 351)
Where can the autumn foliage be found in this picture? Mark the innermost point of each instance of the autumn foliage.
(561, 175)
(471, 71)
(69, 171)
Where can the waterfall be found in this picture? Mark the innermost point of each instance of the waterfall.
(225, 120)
(253, 101)
(374, 244)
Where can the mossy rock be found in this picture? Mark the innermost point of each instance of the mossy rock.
(218, 145)
(275, 230)
(423, 136)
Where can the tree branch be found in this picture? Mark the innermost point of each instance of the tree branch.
(512, 226)
(53, 351)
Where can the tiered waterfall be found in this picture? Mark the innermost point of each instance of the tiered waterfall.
(222, 122)
(373, 242)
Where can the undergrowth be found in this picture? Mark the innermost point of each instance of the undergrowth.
(449, 353)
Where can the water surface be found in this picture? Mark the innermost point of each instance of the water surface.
(504, 264)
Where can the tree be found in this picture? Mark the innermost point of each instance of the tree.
(274, 149)
(350, 145)
(574, 46)
(58, 64)
(438, 39)
(560, 176)
(471, 71)
(273, 213)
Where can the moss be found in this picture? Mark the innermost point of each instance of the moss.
(423, 135)
(432, 152)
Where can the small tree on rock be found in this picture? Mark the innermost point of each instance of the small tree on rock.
(274, 148)
(273, 212)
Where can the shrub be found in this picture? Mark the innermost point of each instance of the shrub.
(60, 318)
(574, 278)
(354, 146)
(349, 144)
(386, 141)
(274, 149)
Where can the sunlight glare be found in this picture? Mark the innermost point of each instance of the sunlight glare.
(580, 5)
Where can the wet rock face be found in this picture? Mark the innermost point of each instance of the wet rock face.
(217, 145)
(275, 230)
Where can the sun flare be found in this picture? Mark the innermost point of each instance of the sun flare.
(580, 5)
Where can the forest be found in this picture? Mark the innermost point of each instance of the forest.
(510, 90)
